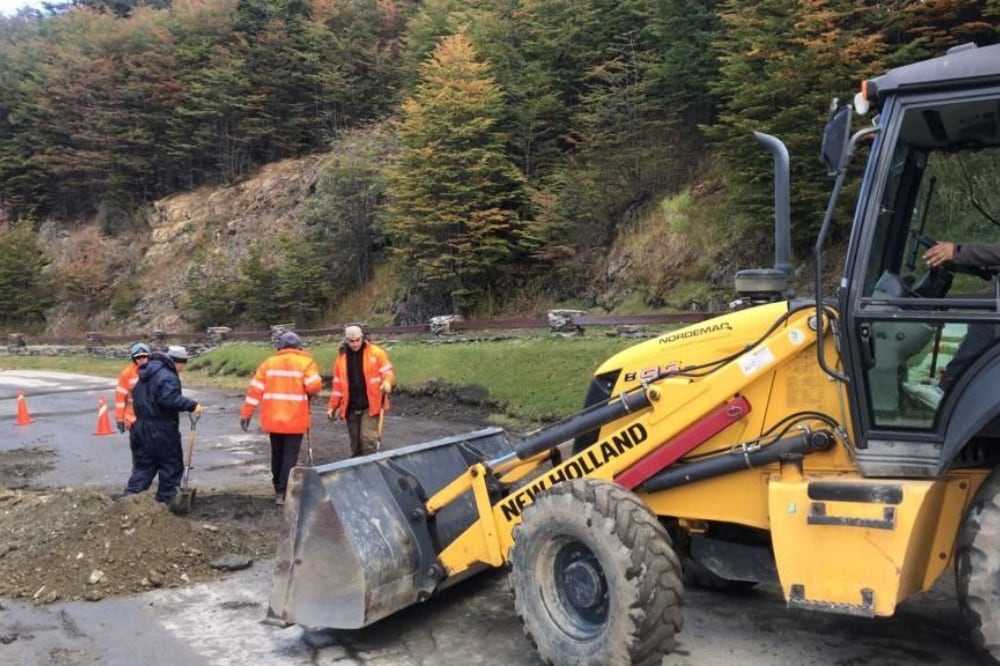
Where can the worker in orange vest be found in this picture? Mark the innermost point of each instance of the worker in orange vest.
(124, 414)
(282, 386)
(363, 378)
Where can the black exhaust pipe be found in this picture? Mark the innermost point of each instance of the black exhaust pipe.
(782, 197)
(737, 460)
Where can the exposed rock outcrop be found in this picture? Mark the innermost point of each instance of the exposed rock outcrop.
(206, 224)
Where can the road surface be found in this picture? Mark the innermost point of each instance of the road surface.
(473, 623)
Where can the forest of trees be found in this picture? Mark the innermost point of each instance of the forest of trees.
(486, 145)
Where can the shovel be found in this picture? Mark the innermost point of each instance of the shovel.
(184, 499)
(378, 429)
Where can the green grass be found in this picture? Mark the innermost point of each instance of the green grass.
(87, 365)
(535, 378)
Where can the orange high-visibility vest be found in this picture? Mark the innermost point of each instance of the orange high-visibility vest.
(123, 394)
(376, 369)
(282, 386)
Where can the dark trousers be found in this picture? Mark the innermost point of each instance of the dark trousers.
(361, 430)
(977, 338)
(284, 456)
(156, 451)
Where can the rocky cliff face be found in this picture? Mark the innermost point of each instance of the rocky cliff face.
(208, 222)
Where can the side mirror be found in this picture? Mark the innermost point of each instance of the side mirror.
(836, 134)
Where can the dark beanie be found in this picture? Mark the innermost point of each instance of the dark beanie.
(289, 339)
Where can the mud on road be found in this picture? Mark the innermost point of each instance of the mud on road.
(80, 542)
(67, 544)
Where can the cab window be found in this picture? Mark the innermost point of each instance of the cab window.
(925, 326)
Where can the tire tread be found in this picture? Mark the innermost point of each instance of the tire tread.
(655, 615)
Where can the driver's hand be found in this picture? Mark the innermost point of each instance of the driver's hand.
(941, 253)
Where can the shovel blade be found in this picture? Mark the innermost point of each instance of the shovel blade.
(183, 501)
(356, 549)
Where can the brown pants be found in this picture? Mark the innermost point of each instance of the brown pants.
(362, 428)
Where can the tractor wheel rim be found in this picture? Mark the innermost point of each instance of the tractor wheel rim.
(582, 586)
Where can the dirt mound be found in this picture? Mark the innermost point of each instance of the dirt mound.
(72, 544)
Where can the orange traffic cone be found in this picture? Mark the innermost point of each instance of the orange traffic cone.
(23, 417)
(103, 419)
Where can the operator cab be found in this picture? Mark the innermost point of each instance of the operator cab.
(919, 337)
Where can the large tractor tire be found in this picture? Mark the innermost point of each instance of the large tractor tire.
(595, 577)
(977, 568)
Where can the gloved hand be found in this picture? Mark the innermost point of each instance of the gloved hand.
(386, 387)
(198, 409)
(245, 424)
(331, 414)
(121, 426)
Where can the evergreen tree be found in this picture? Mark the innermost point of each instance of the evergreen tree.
(363, 55)
(214, 294)
(917, 30)
(24, 291)
(260, 280)
(282, 52)
(205, 141)
(283, 282)
(459, 207)
(345, 218)
(782, 63)
(680, 36)
(301, 291)
(20, 177)
(535, 114)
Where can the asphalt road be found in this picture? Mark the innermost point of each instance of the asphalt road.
(473, 623)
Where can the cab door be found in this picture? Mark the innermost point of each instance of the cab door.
(914, 334)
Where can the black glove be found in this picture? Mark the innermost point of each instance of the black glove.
(245, 424)
(121, 426)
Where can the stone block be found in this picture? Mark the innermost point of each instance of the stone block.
(442, 325)
(561, 322)
(216, 334)
(278, 329)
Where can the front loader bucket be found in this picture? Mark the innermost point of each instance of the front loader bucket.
(358, 545)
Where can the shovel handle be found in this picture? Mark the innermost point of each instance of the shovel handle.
(378, 428)
(381, 416)
(194, 419)
(190, 451)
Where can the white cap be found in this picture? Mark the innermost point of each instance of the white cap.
(177, 353)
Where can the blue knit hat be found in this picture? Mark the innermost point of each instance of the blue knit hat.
(138, 349)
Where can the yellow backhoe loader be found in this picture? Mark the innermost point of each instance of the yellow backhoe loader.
(846, 448)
